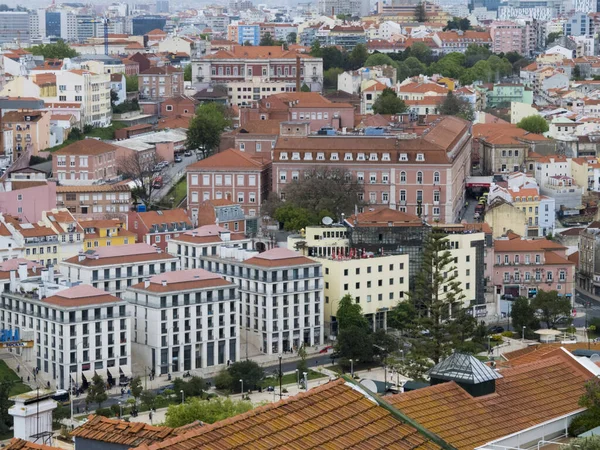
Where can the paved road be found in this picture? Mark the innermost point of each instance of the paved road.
(172, 174)
(287, 367)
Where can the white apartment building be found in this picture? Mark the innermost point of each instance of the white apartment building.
(281, 296)
(185, 320)
(116, 268)
(78, 331)
(206, 240)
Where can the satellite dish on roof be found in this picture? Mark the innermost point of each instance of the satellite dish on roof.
(327, 220)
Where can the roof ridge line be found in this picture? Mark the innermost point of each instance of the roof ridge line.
(400, 416)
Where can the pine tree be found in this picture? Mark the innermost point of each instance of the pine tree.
(436, 298)
(97, 391)
(420, 14)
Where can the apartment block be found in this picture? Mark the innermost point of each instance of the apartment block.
(39, 242)
(185, 320)
(281, 295)
(229, 175)
(157, 228)
(523, 266)
(158, 83)
(96, 199)
(116, 268)
(421, 176)
(30, 131)
(78, 331)
(248, 67)
(85, 162)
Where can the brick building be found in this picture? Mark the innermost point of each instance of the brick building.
(158, 83)
(229, 175)
(85, 162)
(97, 199)
(425, 175)
(180, 105)
(158, 227)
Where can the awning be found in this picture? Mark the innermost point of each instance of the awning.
(112, 371)
(102, 373)
(88, 375)
(125, 371)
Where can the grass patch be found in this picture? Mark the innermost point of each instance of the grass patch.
(357, 366)
(290, 378)
(106, 133)
(7, 374)
(178, 192)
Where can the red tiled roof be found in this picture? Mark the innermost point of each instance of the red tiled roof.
(526, 396)
(87, 147)
(119, 432)
(331, 416)
(279, 257)
(20, 444)
(227, 159)
(81, 295)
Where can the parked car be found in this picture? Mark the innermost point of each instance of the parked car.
(496, 330)
(178, 158)
(188, 153)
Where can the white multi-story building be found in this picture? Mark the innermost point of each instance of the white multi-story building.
(185, 320)
(77, 331)
(281, 297)
(116, 268)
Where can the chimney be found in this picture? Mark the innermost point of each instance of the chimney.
(50, 273)
(22, 271)
(146, 282)
(13, 280)
(164, 282)
(80, 256)
(44, 275)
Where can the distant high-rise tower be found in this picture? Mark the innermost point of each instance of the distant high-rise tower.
(162, 6)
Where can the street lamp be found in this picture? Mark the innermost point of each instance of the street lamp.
(120, 410)
(71, 383)
(242, 381)
(182, 397)
(523, 334)
(351, 367)
(280, 377)
(298, 378)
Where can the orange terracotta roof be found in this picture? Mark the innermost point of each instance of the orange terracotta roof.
(256, 52)
(574, 258)
(423, 88)
(259, 127)
(375, 87)
(94, 188)
(174, 122)
(526, 245)
(81, 295)
(19, 116)
(225, 160)
(20, 444)
(26, 184)
(533, 353)
(168, 216)
(466, 36)
(526, 396)
(183, 280)
(156, 32)
(333, 415)
(87, 147)
(279, 257)
(125, 434)
(383, 217)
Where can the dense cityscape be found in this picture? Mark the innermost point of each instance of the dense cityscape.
(361, 224)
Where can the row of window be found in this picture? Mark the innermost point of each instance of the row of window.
(516, 276)
(334, 156)
(224, 180)
(360, 177)
(241, 197)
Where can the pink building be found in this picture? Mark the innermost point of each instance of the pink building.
(507, 37)
(524, 266)
(309, 107)
(85, 162)
(228, 175)
(27, 199)
(426, 174)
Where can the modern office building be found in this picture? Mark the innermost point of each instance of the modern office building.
(15, 28)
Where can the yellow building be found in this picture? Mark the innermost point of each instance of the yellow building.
(503, 217)
(583, 170)
(105, 233)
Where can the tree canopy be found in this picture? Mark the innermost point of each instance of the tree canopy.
(97, 391)
(551, 306)
(59, 50)
(353, 336)
(456, 106)
(208, 411)
(458, 23)
(420, 14)
(246, 370)
(523, 314)
(131, 83)
(389, 103)
(305, 203)
(534, 124)
(187, 73)
(206, 127)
